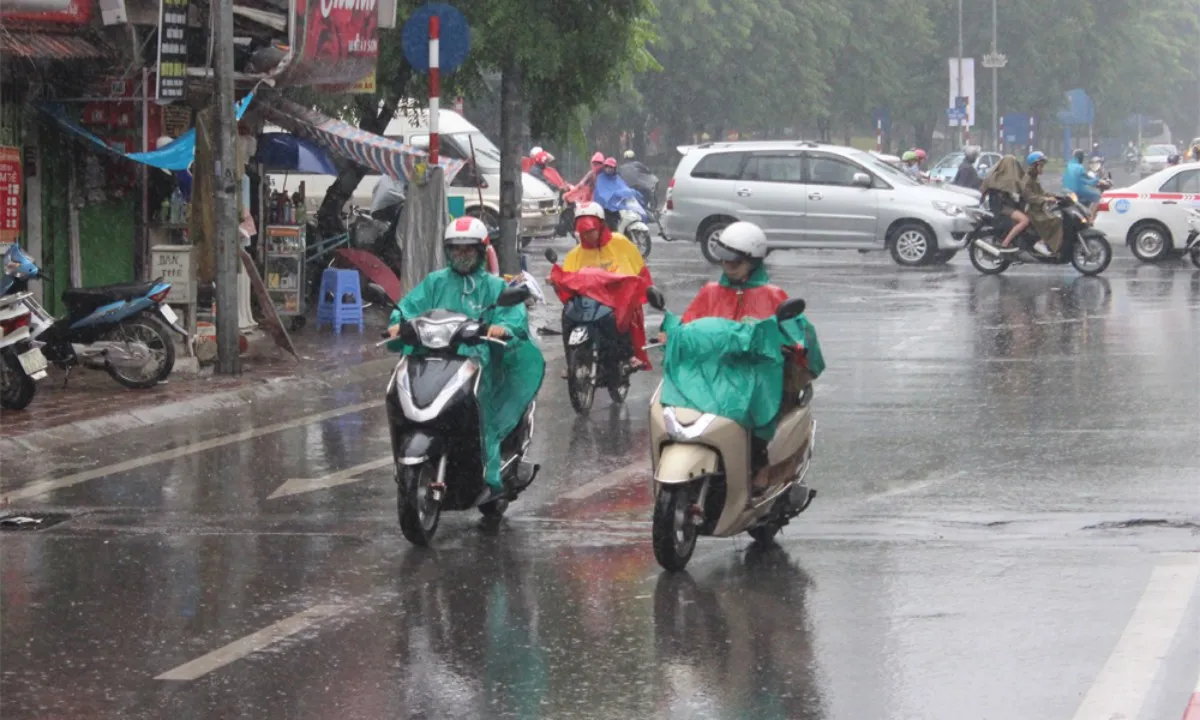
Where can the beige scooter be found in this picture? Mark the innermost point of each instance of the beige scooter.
(702, 475)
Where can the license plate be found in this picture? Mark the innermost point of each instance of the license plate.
(32, 361)
(578, 336)
(169, 314)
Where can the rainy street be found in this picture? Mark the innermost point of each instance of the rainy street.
(1006, 528)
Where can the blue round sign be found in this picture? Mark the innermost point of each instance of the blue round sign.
(454, 38)
(1121, 206)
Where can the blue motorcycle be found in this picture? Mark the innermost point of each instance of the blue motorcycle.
(121, 329)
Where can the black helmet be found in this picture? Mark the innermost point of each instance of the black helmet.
(1079, 156)
(1173, 159)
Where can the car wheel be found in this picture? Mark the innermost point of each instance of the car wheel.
(912, 244)
(1150, 242)
(708, 235)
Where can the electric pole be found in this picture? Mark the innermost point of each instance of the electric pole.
(962, 123)
(995, 83)
(225, 185)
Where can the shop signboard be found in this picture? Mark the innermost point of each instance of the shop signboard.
(173, 263)
(338, 42)
(47, 12)
(10, 194)
(172, 50)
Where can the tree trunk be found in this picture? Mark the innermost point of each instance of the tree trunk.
(510, 167)
(375, 119)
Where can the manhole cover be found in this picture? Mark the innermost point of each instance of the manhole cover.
(12, 521)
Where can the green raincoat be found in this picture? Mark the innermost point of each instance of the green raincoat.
(733, 368)
(512, 375)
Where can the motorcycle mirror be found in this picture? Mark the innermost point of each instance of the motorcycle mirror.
(655, 297)
(375, 293)
(512, 296)
(790, 309)
(551, 256)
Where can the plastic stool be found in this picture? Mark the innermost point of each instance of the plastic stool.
(340, 300)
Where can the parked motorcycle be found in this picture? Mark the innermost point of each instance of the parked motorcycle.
(22, 363)
(1191, 246)
(1086, 248)
(433, 417)
(593, 353)
(121, 329)
(704, 475)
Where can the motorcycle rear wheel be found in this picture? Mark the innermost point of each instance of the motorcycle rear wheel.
(641, 240)
(419, 513)
(984, 261)
(16, 388)
(581, 376)
(151, 331)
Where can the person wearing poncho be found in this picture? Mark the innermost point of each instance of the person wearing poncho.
(512, 375)
(726, 354)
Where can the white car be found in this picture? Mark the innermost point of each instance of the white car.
(1152, 214)
(1155, 158)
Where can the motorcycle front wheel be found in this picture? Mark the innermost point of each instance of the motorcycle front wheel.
(1092, 254)
(1195, 255)
(419, 511)
(581, 376)
(673, 532)
(148, 331)
(16, 388)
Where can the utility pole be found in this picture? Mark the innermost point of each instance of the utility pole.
(962, 124)
(510, 166)
(225, 185)
(995, 83)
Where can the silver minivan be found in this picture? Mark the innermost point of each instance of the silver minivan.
(810, 195)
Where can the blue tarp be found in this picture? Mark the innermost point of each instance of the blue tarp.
(177, 155)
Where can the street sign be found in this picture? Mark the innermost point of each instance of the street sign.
(995, 60)
(454, 38)
(956, 113)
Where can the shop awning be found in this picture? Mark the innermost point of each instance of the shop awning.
(384, 156)
(46, 46)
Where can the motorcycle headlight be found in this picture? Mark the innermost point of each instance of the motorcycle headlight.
(435, 336)
(947, 208)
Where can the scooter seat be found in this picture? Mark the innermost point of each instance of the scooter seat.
(85, 300)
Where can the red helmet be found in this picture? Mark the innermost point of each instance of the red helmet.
(541, 158)
(920, 154)
(610, 162)
(598, 158)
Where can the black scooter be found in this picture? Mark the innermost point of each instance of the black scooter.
(433, 415)
(1084, 247)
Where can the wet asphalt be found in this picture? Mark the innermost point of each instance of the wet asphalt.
(1005, 465)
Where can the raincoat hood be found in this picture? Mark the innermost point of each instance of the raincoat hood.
(1006, 177)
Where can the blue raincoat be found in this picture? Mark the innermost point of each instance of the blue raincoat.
(611, 192)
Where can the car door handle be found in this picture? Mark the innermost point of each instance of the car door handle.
(815, 196)
(1169, 202)
(743, 192)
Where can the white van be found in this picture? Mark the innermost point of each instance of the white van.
(480, 193)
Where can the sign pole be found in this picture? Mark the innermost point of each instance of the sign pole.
(996, 122)
(434, 87)
(879, 135)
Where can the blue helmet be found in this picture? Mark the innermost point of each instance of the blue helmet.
(1035, 157)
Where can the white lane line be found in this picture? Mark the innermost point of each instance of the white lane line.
(41, 487)
(295, 486)
(620, 476)
(1120, 689)
(254, 642)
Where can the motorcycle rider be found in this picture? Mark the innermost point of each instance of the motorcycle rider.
(745, 292)
(967, 176)
(1001, 190)
(1078, 180)
(602, 248)
(1049, 227)
(541, 170)
(1173, 159)
(581, 193)
(912, 164)
(611, 192)
(512, 375)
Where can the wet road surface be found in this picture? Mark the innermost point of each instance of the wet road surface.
(1006, 528)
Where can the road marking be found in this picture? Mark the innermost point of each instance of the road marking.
(295, 486)
(41, 487)
(254, 642)
(1120, 689)
(620, 476)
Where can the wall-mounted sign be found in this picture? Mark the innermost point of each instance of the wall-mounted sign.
(172, 50)
(48, 12)
(10, 194)
(338, 42)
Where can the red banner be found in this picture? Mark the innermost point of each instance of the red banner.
(338, 42)
(11, 181)
(79, 12)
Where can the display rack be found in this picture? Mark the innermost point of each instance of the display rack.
(283, 268)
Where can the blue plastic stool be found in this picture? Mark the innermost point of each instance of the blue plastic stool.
(340, 300)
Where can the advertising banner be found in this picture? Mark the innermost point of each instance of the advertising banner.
(172, 50)
(338, 42)
(10, 194)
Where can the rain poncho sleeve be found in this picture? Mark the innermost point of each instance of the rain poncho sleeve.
(511, 376)
(726, 367)
(1049, 227)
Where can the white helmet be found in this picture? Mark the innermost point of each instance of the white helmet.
(465, 230)
(591, 209)
(630, 155)
(533, 151)
(741, 241)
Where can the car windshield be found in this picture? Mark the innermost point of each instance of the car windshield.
(487, 155)
(888, 172)
(1160, 150)
(951, 160)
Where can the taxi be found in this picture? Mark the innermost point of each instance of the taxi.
(1152, 214)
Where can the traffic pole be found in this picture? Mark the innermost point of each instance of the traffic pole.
(1000, 137)
(879, 136)
(434, 89)
(225, 183)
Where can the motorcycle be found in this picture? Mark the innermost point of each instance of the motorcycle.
(433, 418)
(22, 364)
(632, 223)
(1191, 246)
(1086, 248)
(638, 176)
(703, 473)
(1131, 162)
(592, 345)
(117, 328)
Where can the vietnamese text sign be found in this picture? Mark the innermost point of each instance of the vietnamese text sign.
(172, 50)
(173, 263)
(10, 194)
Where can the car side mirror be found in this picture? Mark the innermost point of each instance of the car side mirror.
(512, 296)
(376, 294)
(551, 256)
(861, 180)
(791, 308)
(655, 297)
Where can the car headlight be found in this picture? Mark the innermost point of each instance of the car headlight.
(530, 205)
(948, 208)
(435, 336)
